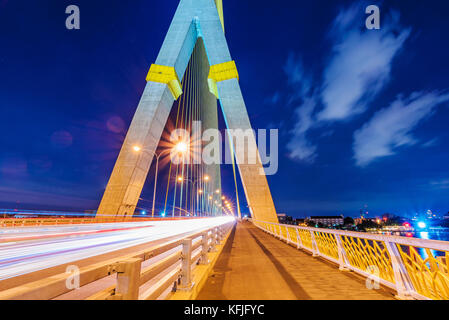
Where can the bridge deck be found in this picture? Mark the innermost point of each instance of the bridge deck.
(256, 266)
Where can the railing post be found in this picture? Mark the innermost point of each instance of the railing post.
(216, 241)
(128, 279)
(186, 265)
(213, 239)
(342, 259)
(281, 235)
(204, 248)
(224, 231)
(403, 283)
(219, 235)
(315, 250)
(299, 241)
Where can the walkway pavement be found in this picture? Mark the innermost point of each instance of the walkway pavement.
(256, 266)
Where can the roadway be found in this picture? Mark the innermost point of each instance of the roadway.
(28, 253)
(256, 266)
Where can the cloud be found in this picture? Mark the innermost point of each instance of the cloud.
(46, 192)
(274, 99)
(296, 76)
(440, 184)
(431, 143)
(360, 64)
(391, 127)
(358, 68)
(10, 195)
(13, 166)
(299, 147)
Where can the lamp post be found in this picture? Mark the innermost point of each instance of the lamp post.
(209, 197)
(180, 147)
(205, 179)
(210, 204)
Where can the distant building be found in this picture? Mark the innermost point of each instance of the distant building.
(327, 220)
(284, 218)
(431, 215)
(360, 220)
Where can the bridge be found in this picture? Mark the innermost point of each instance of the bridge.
(196, 244)
(215, 258)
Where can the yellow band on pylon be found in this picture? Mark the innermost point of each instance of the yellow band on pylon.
(167, 75)
(221, 72)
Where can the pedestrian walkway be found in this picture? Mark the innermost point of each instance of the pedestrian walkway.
(256, 266)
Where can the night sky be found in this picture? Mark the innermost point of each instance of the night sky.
(362, 114)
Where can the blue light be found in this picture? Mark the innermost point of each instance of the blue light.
(144, 212)
(421, 224)
(162, 214)
(424, 235)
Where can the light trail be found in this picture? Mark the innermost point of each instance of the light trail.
(29, 249)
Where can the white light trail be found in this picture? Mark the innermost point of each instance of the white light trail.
(25, 250)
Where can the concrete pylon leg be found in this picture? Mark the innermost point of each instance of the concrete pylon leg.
(254, 181)
(131, 168)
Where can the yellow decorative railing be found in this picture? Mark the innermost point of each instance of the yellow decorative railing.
(327, 244)
(415, 268)
(428, 272)
(364, 254)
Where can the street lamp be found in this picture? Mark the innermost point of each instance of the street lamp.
(139, 149)
(200, 191)
(181, 147)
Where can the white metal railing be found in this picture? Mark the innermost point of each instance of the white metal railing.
(415, 268)
(38, 222)
(143, 275)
